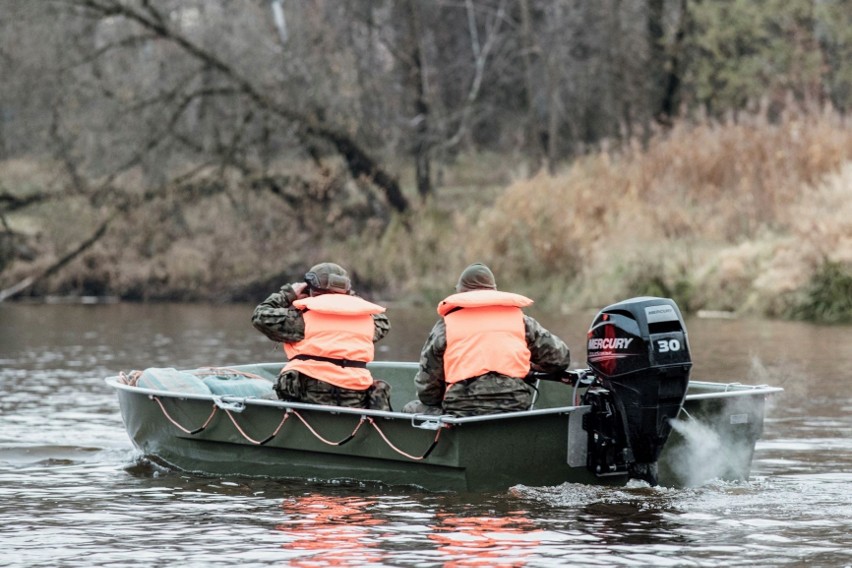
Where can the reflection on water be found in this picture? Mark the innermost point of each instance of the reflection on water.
(485, 540)
(332, 531)
(73, 492)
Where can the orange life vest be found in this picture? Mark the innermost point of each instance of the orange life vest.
(338, 340)
(487, 334)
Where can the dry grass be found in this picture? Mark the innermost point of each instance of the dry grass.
(733, 216)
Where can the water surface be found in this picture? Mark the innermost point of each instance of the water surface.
(73, 491)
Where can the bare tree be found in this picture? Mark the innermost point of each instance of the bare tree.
(155, 21)
(158, 105)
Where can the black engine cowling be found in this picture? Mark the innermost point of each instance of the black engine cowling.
(639, 354)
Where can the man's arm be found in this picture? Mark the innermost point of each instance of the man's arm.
(547, 351)
(381, 326)
(429, 381)
(277, 319)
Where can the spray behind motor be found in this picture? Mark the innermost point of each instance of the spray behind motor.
(638, 352)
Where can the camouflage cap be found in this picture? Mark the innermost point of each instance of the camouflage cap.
(477, 276)
(328, 277)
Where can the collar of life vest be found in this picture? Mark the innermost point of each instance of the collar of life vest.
(339, 304)
(481, 299)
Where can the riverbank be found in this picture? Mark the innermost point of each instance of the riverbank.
(746, 217)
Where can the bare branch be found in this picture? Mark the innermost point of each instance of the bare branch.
(480, 60)
(471, 25)
(10, 202)
(54, 267)
(359, 162)
(280, 21)
(131, 41)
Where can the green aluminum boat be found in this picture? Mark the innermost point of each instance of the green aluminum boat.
(632, 414)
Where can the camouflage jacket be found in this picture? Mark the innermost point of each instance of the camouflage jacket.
(491, 392)
(277, 319)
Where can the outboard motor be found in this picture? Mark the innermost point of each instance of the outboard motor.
(638, 351)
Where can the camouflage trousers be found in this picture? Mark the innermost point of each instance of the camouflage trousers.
(488, 394)
(293, 386)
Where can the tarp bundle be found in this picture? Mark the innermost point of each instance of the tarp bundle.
(170, 379)
(215, 380)
(224, 381)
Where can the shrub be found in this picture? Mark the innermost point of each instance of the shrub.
(828, 297)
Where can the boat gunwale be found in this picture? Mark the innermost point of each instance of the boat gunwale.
(416, 419)
(740, 390)
(426, 421)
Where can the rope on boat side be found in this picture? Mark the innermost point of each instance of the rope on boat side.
(321, 439)
(307, 425)
(329, 442)
(402, 453)
(173, 421)
(252, 440)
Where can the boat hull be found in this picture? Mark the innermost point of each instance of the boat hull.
(546, 446)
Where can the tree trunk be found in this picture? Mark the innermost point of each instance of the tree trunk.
(417, 82)
(533, 137)
(665, 62)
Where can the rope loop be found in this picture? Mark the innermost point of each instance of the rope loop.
(402, 453)
(249, 438)
(175, 422)
(319, 436)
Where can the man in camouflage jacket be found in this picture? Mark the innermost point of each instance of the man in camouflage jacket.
(280, 321)
(491, 392)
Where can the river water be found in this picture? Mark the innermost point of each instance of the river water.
(74, 492)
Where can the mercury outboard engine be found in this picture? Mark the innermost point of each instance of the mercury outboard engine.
(638, 352)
